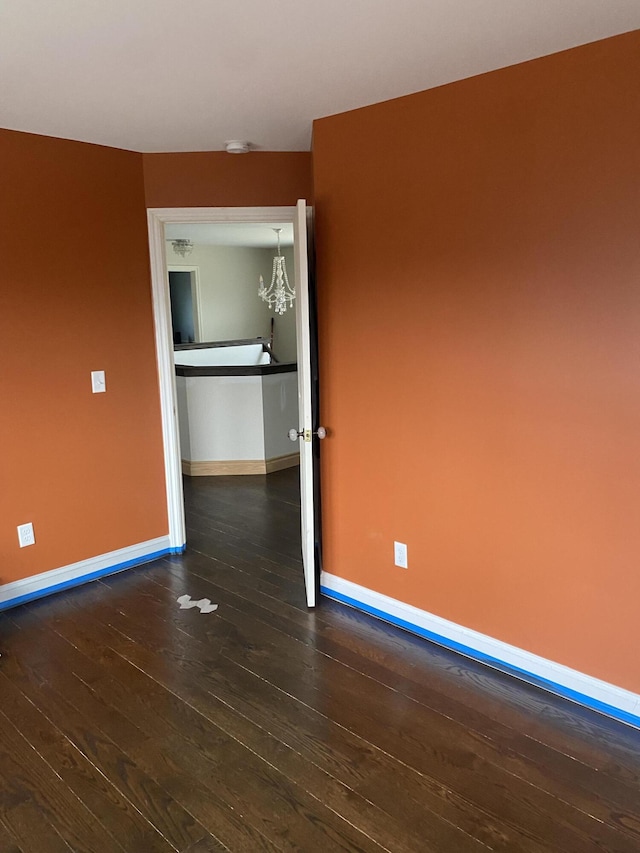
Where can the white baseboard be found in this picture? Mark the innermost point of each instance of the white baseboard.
(598, 695)
(27, 589)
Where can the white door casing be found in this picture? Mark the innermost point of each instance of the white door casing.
(157, 219)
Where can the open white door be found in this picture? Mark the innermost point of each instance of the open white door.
(305, 433)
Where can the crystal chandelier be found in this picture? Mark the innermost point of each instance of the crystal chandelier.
(182, 247)
(279, 295)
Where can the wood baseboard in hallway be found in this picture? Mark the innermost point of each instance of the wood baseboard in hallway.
(130, 724)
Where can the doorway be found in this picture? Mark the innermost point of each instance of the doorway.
(184, 296)
(299, 216)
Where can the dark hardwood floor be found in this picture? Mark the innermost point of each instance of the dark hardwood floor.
(129, 724)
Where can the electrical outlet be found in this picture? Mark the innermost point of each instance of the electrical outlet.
(400, 557)
(26, 535)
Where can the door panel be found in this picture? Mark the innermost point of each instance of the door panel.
(306, 440)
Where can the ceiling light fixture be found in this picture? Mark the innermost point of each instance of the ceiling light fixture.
(237, 146)
(182, 247)
(279, 294)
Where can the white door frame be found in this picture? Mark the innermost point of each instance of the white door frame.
(157, 218)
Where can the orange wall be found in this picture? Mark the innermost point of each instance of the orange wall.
(479, 297)
(86, 469)
(218, 179)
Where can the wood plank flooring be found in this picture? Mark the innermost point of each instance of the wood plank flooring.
(128, 724)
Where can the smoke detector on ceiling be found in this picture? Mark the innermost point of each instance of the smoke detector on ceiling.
(237, 146)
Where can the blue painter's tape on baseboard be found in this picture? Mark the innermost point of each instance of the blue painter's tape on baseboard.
(481, 657)
(180, 550)
(90, 576)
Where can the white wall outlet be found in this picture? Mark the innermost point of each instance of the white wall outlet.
(400, 557)
(98, 381)
(26, 535)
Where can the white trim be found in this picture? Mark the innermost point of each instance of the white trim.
(176, 215)
(113, 561)
(519, 662)
(157, 218)
(166, 381)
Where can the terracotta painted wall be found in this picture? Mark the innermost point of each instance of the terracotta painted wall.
(479, 298)
(75, 296)
(218, 179)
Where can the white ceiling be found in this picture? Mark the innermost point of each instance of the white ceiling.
(155, 75)
(251, 234)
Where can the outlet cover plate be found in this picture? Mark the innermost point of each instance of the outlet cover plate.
(400, 556)
(26, 535)
(98, 382)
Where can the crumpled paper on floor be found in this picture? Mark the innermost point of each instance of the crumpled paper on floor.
(203, 604)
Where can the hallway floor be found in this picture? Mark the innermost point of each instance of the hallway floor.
(129, 724)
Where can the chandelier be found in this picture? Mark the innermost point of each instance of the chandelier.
(279, 295)
(182, 247)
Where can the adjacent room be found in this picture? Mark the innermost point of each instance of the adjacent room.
(235, 356)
